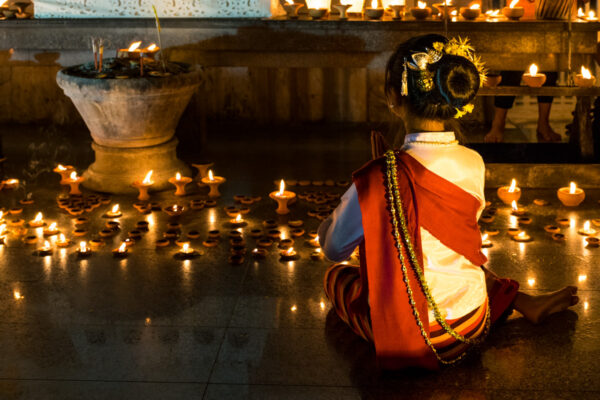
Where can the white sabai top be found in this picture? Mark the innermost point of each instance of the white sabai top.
(457, 285)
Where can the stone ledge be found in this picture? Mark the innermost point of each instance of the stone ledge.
(543, 176)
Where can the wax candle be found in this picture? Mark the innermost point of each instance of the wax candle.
(570, 196)
(533, 78)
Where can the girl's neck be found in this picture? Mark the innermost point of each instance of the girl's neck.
(424, 125)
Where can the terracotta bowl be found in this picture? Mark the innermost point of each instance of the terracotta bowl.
(514, 13)
(470, 14)
(508, 197)
(492, 80)
(568, 199)
(585, 83)
(374, 13)
(317, 13)
(420, 13)
(536, 80)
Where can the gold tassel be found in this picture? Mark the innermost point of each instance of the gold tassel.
(404, 90)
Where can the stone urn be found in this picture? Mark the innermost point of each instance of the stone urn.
(132, 122)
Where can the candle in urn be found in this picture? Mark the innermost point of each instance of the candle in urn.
(291, 9)
(511, 193)
(180, 182)
(421, 11)
(84, 251)
(585, 79)
(472, 12)
(114, 212)
(587, 230)
(282, 197)
(533, 78)
(571, 196)
(74, 181)
(512, 11)
(213, 183)
(64, 171)
(374, 12)
(38, 221)
(144, 186)
(121, 251)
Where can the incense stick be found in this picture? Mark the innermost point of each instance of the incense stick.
(158, 29)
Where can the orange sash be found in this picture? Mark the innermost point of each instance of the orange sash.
(447, 212)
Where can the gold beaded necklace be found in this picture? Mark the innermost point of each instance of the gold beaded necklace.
(397, 214)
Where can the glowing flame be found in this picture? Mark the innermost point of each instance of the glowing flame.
(152, 47)
(475, 6)
(281, 188)
(531, 282)
(513, 3)
(533, 70)
(83, 247)
(4, 4)
(186, 248)
(290, 2)
(421, 4)
(46, 245)
(148, 178)
(448, 2)
(373, 3)
(73, 176)
(178, 176)
(522, 235)
(586, 226)
(210, 175)
(294, 308)
(322, 305)
(592, 15)
(453, 12)
(61, 167)
(17, 295)
(122, 248)
(115, 209)
(572, 188)
(318, 250)
(52, 227)
(580, 13)
(38, 217)
(62, 238)
(586, 305)
(585, 73)
(1, 215)
(134, 46)
(484, 237)
(290, 251)
(514, 205)
(582, 278)
(493, 13)
(513, 186)
(238, 218)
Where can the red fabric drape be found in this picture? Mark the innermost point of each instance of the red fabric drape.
(441, 207)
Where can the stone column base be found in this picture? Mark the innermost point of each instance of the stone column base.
(115, 169)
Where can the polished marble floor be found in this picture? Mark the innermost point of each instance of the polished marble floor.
(154, 327)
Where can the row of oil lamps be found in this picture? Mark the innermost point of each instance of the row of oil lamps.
(318, 9)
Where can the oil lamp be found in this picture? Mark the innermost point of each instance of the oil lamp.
(587, 230)
(51, 230)
(259, 253)
(585, 79)
(511, 193)
(591, 17)
(133, 52)
(592, 241)
(238, 221)
(317, 9)
(175, 210)
(316, 255)
(64, 171)
(444, 8)
(522, 237)
(397, 7)
(513, 12)
(213, 183)
(516, 211)
(186, 252)
(180, 182)
(492, 15)
(291, 9)
(63, 241)
(121, 251)
(421, 11)
(10, 184)
(289, 254)
(571, 196)
(343, 8)
(374, 12)
(472, 12)
(114, 212)
(202, 172)
(532, 78)
(83, 251)
(45, 250)
(144, 186)
(37, 222)
(74, 181)
(314, 242)
(283, 198)
(485, 242)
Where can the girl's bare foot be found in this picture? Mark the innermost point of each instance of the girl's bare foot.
(494, 136)
(537, 308)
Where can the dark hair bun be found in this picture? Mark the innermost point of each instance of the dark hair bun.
(455, 80)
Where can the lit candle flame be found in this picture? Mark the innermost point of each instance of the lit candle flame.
(148, 178)
(52, 227)
(210, 175)
(62, 238)
(513, 186)
(115, 209)
(586, 305)
(73, 176)
(17, 295)
(421, 4)
(531, 282)
(373, 3)
(281, 188)
(453, 12)
(294, 308)
(475, 6)
(83, 247)
(586, 226)
(2, 229)
(152, 47)
(484, 237)
(290, 251)
(513, 3)
(448, 2)
(178, 176)
(585, 73)
(591, 15)
(134, 46)
(322, 305)
(290, 2)
(318, 250)
(533, 69)
(572, 188)
(1, 215)
(521, 235)
(582, 278)
(39, 217)
(61, 167)
(46, 245)
(513, 204)
(580, 13)
(122, 248)
(186, 248)
(492, 13)
(238, 218)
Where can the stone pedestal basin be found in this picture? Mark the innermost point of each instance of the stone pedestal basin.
(132, 122)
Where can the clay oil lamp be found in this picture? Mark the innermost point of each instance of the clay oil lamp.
(316, 255)
(513, 12)
(587, 230)
(472, 12)
(121, 251)
(74, 181)
(10, 184)
(314, 242)
(62, 241)
(444, 9)
(180, 182)
(51, 230)
(236, 259)
(342, 8)
(83, 251)
(133, 52)
(210, 243)
(397, 7)
(186, 252)
(591, 17)
(214, 234)
(516, 210)
(37, 222)
(421, 11)
(571, 196)
(533, 78)
(114, 212)
(373, 12)
(289, 255)
(581, 14)
(162, 243)
(492, 15)
(592, 241)
(213, 182)
(522, 237)
(283, 198)
(64, 171)
(45, 250)
(264, 242)
(485, 241)
(175, 210)
(238, 221)
(317, 9)
(540, 202)
(585, 79)
(511, 193)
(202, 172)
(291, 9)
(259, 253)
(144, 186)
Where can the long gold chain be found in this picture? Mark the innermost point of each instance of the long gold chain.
(397, 213)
